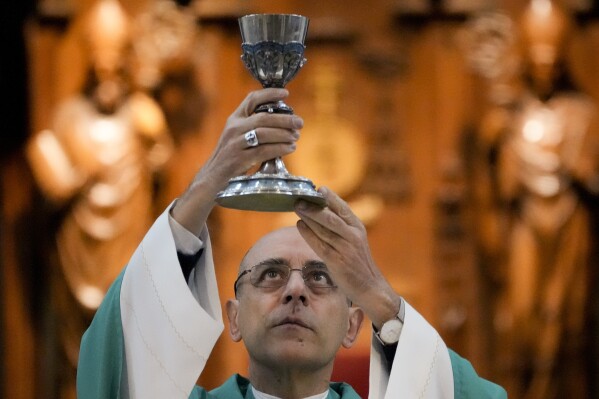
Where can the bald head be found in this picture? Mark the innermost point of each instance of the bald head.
(284, 243)
(298, 324)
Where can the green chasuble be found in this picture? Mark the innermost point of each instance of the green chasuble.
(238, 387)
(102, 366)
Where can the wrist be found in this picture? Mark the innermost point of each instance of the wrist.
(388, 305)
(191, 210)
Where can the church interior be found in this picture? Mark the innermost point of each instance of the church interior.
(464, 134)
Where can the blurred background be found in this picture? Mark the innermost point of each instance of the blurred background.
(463, 133)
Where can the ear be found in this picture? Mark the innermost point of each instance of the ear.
(232, 314)
(356, 317)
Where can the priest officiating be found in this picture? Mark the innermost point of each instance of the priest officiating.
(158, 324)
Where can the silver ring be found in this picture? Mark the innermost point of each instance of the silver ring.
(251, 138)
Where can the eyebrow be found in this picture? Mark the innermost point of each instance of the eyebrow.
(316, 263)
(273, 261)
(283, 261)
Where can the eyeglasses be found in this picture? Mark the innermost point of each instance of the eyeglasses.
(275, 273)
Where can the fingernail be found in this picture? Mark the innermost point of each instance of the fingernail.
(297, 122)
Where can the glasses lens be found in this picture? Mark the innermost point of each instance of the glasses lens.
(277, 275)
(268, 275)
(317, 277)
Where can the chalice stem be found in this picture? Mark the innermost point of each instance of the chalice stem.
(273, 166)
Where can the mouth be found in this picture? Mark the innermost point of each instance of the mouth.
(290, 322)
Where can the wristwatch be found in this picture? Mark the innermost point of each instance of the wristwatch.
(391, 329)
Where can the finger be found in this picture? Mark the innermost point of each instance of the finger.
(265, 152)
(282, 121)
(325, 224)
(258, 97)
(321, 247)
(323, 232)
(266, 136)
(340, 207)
(312, 213)
(328, 216)
(248, 157)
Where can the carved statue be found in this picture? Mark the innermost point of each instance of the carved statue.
(540, 145)
(98, 161)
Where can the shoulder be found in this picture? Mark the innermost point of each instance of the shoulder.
(468, 385)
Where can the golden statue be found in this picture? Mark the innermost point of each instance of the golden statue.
(540, 144)
(98, 159)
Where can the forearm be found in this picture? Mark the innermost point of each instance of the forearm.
(194, 206)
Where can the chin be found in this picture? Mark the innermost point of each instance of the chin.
(301, 355)
(300, 362)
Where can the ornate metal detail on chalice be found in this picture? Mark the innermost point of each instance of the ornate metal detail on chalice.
(273, 52)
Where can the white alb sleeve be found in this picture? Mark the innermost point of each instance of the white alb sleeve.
(168, 333)
(421, 366)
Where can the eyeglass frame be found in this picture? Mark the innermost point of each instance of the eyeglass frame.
(281, 262)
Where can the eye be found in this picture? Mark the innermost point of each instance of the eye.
(319, 278)
(269, 273)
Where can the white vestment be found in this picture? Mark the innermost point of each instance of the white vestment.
(170, 327)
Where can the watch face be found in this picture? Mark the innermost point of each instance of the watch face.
(390, 331)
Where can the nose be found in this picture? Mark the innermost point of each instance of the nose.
(295, 290)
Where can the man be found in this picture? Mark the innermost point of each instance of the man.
(157, 326)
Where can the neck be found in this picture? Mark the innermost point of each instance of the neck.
(290, 383)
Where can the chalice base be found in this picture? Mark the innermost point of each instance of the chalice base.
(268, 193)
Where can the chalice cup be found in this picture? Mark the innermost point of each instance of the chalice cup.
(273, 52)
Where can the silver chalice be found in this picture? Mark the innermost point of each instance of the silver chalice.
(273, 52)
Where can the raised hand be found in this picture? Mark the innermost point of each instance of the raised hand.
(339, 238)
(276, 136)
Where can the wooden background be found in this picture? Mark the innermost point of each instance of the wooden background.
(432, 96)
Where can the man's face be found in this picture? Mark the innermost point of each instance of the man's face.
(293, 324)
